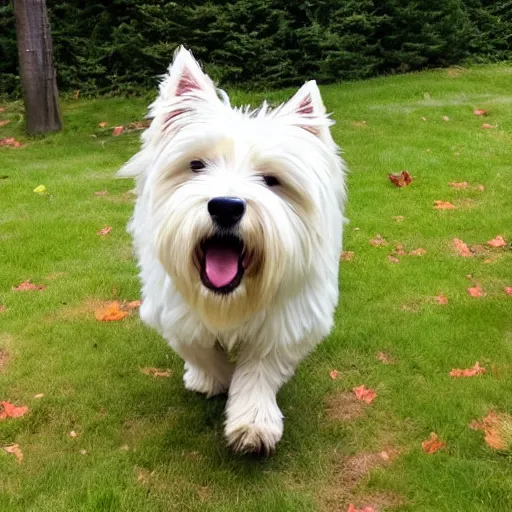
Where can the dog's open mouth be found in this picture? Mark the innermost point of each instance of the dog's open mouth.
(222, 263)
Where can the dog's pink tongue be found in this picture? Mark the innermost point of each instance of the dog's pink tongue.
(221, 265)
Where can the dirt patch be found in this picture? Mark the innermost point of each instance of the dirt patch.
(344, 406)
(4, 358)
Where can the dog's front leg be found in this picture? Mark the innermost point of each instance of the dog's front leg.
(207, 369)
(254, 422)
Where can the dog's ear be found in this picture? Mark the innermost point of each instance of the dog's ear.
(185, 76)
(307, 110)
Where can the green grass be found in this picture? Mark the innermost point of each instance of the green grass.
(176, 457)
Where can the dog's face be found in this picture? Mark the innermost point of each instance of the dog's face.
(235, 197)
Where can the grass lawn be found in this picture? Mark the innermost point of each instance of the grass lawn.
(145, 444)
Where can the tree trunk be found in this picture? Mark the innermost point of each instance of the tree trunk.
(38, 77)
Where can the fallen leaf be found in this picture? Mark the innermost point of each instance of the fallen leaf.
(361, 124)
(102, 124)
(73, 434)
(462, 184)
(480, 112)
(334, 374)
(27, 285)
(443, 205)
(392, 259)
(139, 125)
(385, 358)
(497, 242)
(155, 372)
(101, 193)
(399, 250)
(366, 395)
(433, 444)
(423, 118)
(508, 290)
(476, 291)
(117, 131)
(104, 231)
(3, 308)
(76, 94)
(4, 122)
(352, 508)
(446, 118)
(83, 452)
(134, 304)
(110, 313)
(378, 241)
(124, 448)
(10, 141)
(462, 248)
(41, 190)
(3, 109)
(480, 187)
(14, 449)
(399, 218)
(39, 395)
(418, 252)
(347, 255)
(468, 372)
(487, 126)
(441, 299)
(497, 428)
(400, 180)
(9, 410)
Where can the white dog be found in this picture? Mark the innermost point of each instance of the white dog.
(237, 229)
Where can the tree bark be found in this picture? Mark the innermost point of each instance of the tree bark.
(37, 72)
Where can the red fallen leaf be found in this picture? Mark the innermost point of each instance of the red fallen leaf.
(104, 231)
(27, 285)
(433, 444)
(468, 372)
(497, 242)
(480, 112)
(392, 259)
(117, 131)
(334, 374)
(443, 205)
(462, 184)
(462, 248)
(378, 241)
(418, 252)
(366, 395)
(441, 299)
(400, 180)
(352, 508)
(4, 122)
(497, 428)
(100, 193)
(487, 126)
(155, 372)
(508, 290)
(347, 255)
(9, 410)
(10, 141)
(476, 291)
(102, 124)
(399, 250)
(14, 449)
(110, 313)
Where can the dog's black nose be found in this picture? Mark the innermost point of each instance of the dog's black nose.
(226, 211)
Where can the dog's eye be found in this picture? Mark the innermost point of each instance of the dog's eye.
(271, 181)
(197, 165)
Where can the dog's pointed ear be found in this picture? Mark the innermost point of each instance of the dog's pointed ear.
(307, 110)
(185, 76)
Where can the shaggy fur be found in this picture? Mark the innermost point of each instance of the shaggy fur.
(284, 165)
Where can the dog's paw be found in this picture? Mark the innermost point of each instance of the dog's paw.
(197, 380)
(254, 438)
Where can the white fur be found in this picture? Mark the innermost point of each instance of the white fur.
(284, 306)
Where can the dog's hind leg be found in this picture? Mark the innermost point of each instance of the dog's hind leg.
(207, 369)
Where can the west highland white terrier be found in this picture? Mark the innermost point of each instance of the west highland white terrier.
(237, 229)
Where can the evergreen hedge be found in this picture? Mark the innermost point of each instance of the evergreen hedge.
(122, 46)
